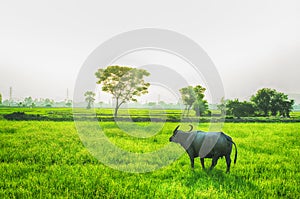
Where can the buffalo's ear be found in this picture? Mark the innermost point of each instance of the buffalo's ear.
(176, 129)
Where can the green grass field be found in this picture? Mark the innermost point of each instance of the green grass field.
(46, 159)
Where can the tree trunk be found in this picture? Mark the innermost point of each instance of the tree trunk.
(188, 111)
(89, 105)
(266, 113)
(116, 108)
(116, 112)
(185, 110)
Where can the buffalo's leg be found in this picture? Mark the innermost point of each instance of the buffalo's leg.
(202, 163)
(228, 161)
(192, 162)
(214, 162)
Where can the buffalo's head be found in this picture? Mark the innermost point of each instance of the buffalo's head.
(173, 138)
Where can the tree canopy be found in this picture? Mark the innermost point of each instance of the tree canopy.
(269, 101)
(89, 98)
(194, 97)
(240, 109)
(265, 102)
(124, 83)
(188, 97)
(28, 102)
(200, 105)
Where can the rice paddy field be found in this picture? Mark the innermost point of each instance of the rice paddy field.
(47, 159)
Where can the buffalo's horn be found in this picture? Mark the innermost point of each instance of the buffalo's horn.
(176, 129)
(191, 128)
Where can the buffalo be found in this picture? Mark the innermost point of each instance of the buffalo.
(205, 145)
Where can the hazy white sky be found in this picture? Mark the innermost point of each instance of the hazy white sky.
(253, 44)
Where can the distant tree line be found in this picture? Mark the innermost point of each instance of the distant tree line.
(30, 102)
(265, 102)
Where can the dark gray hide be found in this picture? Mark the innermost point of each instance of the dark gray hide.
(205, 145)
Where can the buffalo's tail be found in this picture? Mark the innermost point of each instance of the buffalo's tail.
(230, 140)
(235, 156)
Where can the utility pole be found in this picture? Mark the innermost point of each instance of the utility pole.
(10, 93)
(67, 95)
(10, 96)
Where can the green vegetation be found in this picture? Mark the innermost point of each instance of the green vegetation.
(30, 102)
(240, 109)
(265, 102)
(295, 114)
(89, 98)
(137, 115)
(66, 114)
(194, 97)
(124, 83)
(271, 101)
(43, 159)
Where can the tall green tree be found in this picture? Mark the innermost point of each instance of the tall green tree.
(222, 106)
(200, 105)
(188, 97)
(89, 98)
(262, 100)
(271, 101)
(124, 83)
(286, 108)
(277, 103)
(194, 97)
(0, 98)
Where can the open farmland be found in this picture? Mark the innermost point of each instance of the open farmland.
(47, 159)
(136, 115)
